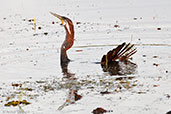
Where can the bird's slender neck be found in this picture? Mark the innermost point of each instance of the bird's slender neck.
(69, 28)
(68, 42)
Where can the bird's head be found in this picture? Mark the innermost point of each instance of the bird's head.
(64, 21)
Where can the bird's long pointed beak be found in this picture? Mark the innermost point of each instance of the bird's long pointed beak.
(58, 16)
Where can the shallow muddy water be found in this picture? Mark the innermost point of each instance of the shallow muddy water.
(30, 59)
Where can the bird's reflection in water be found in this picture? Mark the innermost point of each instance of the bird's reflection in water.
(70, 80)
(120, 68)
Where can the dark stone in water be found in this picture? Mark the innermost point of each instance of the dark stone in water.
(168, 112)
(99, 110)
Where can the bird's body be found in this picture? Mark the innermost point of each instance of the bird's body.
(69, 39)
(116, 61)
(67, 44)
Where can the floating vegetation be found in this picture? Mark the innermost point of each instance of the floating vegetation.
(26, 89)
(141, 92)
(124, 78)
(15, 103)
(102, 86)
(40, 81)
(34, 20)
(47, 88)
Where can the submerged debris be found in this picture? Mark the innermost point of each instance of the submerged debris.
(135, 18)
(158, 28)
(155, 85)
(77, 96)
(27, 49)
(39, 28)
(78, 23)
(16, 85)
(168, 96)
(30, 20)
(80, 50)
(116, 26)
(144, 55)
(155, 56)
(155, 64)
(35, 34)
(45, 33)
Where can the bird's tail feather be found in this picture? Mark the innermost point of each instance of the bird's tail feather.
(122, 52)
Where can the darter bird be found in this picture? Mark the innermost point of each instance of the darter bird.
(116, 61)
